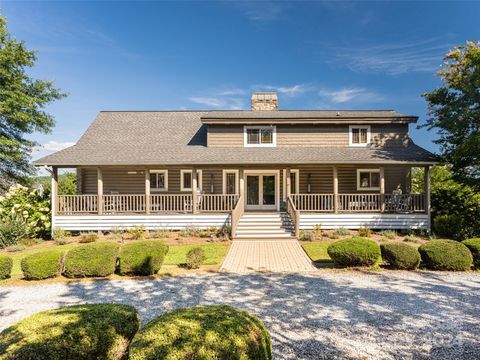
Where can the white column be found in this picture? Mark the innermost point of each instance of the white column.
(147, 191)
(288, 181)
(382, 189)
(194, 191)
(426, 185)
(100, 190)
(54, 192)
(335, 189)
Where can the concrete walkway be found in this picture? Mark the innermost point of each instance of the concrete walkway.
(267, 256)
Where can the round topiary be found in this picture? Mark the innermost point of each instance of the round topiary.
(96, 331)
(445, 255)
(6, 264)
(94, 259)
(203, 332)
(355, 251)
(400, 256)
(474, 246)
(42, 265)
(142, 257)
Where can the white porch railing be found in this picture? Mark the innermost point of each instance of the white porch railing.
(77, 204)
(313, 202)
(217, 203)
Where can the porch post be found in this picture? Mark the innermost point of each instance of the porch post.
(335, 189)
(100, 190)
(147, 191)
(382, 189)
(194, 191)
(426, 190)
(241, 186)
(288, 180)
(54, 192)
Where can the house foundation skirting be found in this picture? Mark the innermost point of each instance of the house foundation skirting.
(373, 221)
(151, 222)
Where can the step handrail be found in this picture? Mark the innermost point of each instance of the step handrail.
(294, 215)
(237, 213)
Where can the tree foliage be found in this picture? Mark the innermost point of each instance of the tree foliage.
(67, 183)
(22, 108)
(454, 110)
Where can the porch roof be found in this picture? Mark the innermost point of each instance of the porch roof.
(179, 138)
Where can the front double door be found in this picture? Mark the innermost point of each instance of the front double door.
(261, 191)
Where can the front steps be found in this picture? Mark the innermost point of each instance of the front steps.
(264, 226)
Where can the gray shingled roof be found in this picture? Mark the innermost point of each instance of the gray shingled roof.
(179, 138)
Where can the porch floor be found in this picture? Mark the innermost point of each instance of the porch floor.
(266, 256)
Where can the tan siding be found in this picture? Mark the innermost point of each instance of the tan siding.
(321, 179)
(89, 180)
(309, 135)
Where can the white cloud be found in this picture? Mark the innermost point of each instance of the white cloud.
(290, 91)
(208, 101)
(263, 11)
(391, 58)
(231, 92)
(354, 95)
(49, 148)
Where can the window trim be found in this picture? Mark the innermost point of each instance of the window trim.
(350, 135)
(260, 127)
(199, 182)
(359, 188)
(159, 171)
(224, 180)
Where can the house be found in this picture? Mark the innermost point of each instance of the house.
(263, 171)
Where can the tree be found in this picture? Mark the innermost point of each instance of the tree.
(454, 110)
(22, 103)
(67, 183)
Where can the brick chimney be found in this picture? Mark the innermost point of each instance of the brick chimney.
(264, 101)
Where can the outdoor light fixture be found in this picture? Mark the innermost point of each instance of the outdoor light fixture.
(309, 183)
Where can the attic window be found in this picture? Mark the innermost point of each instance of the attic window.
(359, 135)
(260, 136)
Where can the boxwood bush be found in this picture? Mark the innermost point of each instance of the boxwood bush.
(95, 259)
(474, 246)
(142, 257)
(355, 251)
(42, 265)
(400, 256)
(96, 331)
(445, 255)
(6, 264)
(201, 333)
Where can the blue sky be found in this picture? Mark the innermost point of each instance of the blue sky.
(213, 55)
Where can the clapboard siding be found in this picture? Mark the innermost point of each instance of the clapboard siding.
(309, 135)
(321, 179)
(373, 221)
(150, 222)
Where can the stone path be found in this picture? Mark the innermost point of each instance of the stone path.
(266, 256)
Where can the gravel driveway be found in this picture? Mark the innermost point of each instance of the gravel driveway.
(330, 314)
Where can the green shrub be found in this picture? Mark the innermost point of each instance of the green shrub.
(42, 265)
(400, 256)
(96, 331)
(160, 234)
(189, 231)
(30, 242)
(88, 238)
(388, 234)
(15, 248)
(448, 226)
(204, 234)
(445, 255)
(474, 246)
(137, 232)
(334, 236)
(29, 205)
(317, 230)
(12, 229)
(96, 259)
(341, 231)
(62, 241)
(410, 238)
(6, 264)
(203, 333)
(225, 231)
(195, 258)
(354, 252)
(142, 257)
(307, 235)
(364, 232)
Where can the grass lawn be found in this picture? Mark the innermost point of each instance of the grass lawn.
(317, 251)
(177, 255)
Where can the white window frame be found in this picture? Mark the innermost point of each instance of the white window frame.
(260, 127)
(165, 174)
(350, 135)
(224, 180)
(359, 188)
(199, 182)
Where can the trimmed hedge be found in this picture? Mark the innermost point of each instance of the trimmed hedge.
(42, 265)
(96, 331)
(355, 251)
(142, 257)
(201, 333)
(94, 259)
(400, 256)
(445, 255)
(474, 246)
(6, 264)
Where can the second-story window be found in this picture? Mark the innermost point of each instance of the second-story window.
(260, 136)
(359, 135)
